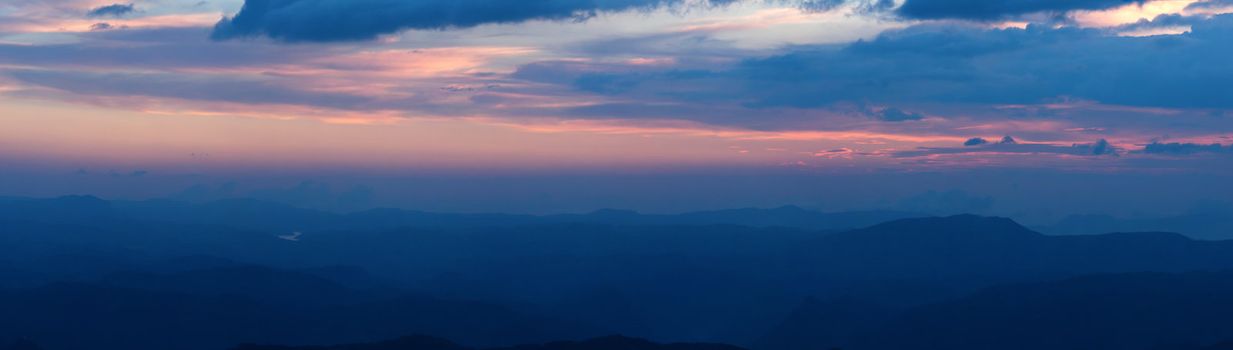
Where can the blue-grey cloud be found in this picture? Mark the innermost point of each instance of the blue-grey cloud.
(1209, 4)
(964, 64)
(1176, 148)
(975, 141)
(1161, 21)
(898, 115)
(999, 9)
(184, 87)
(1100, 147)
(347, 20)
(821, 5)
(113, 10)
(101, 26)
(151, 49)
(1009, 145)
(959, 64)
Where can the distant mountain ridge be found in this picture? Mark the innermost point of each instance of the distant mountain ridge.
(1201, 225)
(256, 214)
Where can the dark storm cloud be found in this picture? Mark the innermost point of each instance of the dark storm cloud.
(1176, 148)
(346, 20)
(955, 64)
(113, 10)
(975, 141)
(985, 10)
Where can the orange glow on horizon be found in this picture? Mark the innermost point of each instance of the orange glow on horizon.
(1130, 13)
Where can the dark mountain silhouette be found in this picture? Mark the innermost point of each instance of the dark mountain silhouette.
(1116, 311)
(431, 343)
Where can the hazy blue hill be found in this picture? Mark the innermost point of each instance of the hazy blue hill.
(1201, 225)
(52, 250)
(431, 343)
(67, 209)
(941, 230)
(964, 252)
(244, 281)
(239, 213)
(787, 216)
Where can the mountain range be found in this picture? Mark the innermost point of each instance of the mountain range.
(158, 275)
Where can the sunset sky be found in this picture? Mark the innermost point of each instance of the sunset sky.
(151, 97)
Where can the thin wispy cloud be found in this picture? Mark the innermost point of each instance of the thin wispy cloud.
(113, 10)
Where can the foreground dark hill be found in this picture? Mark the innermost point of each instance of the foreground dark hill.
(1117, 311)
(1226, 345)
(826, 324)
(431, 343)
(216, 308)
(22, 344)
